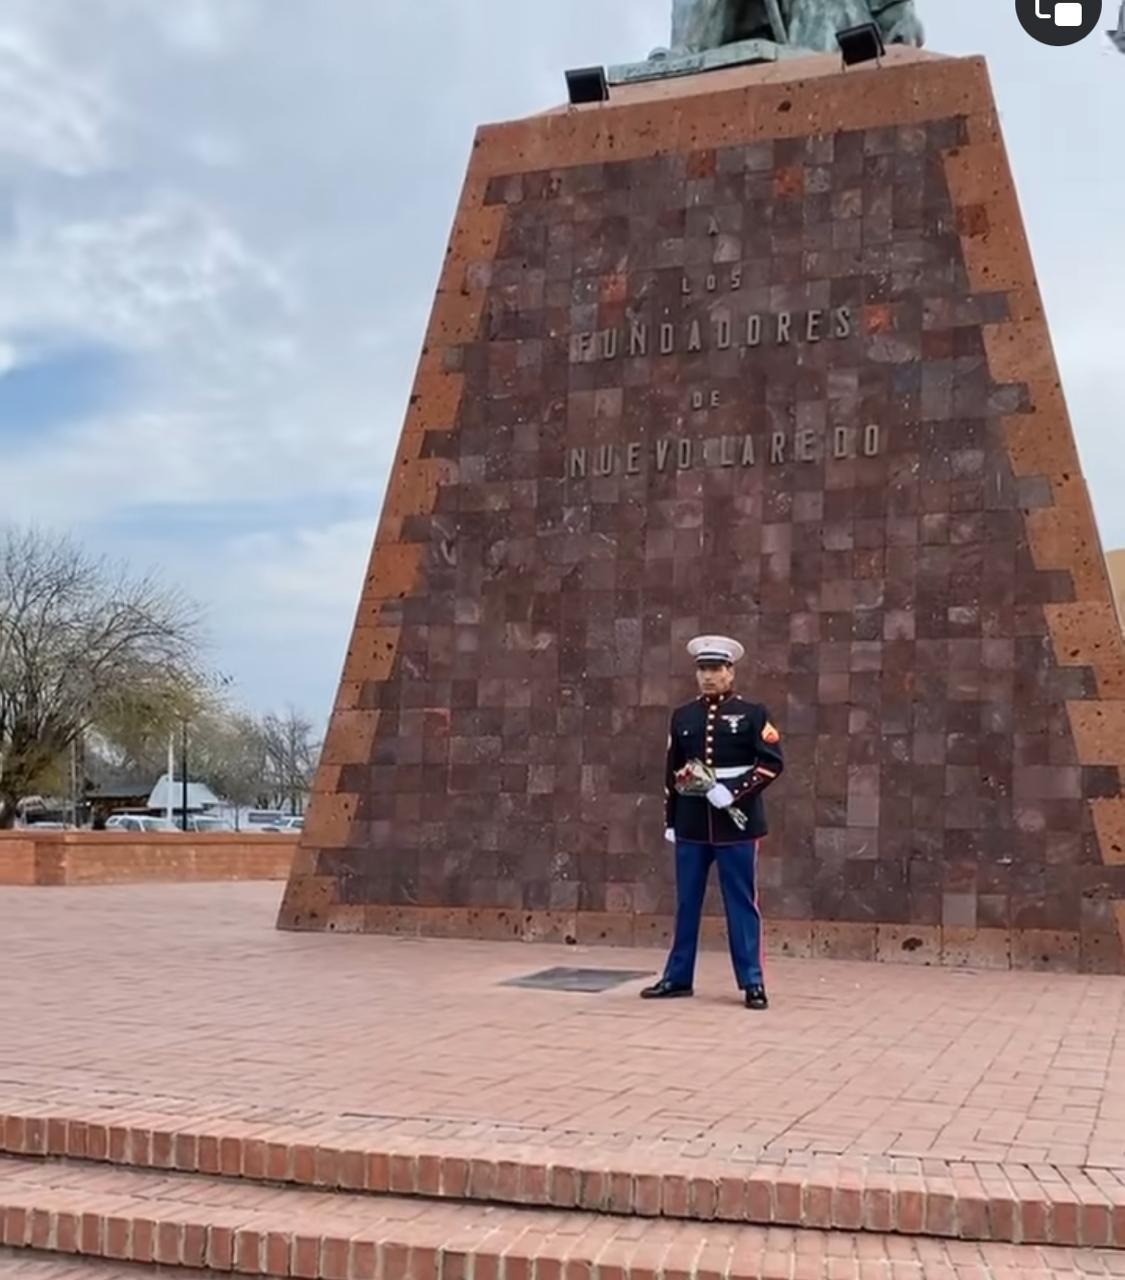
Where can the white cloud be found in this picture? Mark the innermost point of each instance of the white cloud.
(9, 358)
(52, 117)
(281, 605)
(212, 333)
(204, 27)
(167, 274)
(110, 465)
(250, 201)
(306, 570)
(215, 150)
(209, 455)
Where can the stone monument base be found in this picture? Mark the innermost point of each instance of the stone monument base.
(761, 353)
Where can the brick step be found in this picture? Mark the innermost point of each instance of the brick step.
(1014, 1204)
(84, 1212)
(31, 1264)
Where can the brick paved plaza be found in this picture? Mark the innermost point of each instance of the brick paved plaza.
(179, 1013)
(185, 998)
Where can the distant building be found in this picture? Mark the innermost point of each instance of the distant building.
(125, 795)
(200, 797)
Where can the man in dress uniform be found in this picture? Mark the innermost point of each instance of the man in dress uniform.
(737, 740)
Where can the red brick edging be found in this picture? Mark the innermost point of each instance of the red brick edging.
(1010, 1204)
(124, 1238)
(236, 1232)
(72, 858)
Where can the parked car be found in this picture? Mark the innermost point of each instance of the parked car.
(263, 820)
(138, 822)
(206, 825)
(293, 823)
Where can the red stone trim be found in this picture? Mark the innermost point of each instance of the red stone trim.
(310, 900)
(1062, 537)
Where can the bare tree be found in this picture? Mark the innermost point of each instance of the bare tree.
(228, 752)
(226, 748)
(82, 643)
(292, 751)
(248, 761)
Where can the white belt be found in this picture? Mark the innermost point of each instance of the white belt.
(725, 774)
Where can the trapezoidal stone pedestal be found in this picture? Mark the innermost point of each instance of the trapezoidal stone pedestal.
(758, 352)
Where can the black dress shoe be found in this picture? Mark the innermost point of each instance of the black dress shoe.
(664, 990)
(756, 998)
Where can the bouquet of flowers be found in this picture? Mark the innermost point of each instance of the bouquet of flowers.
(697, 779)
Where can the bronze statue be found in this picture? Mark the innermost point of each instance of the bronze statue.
(699, 25)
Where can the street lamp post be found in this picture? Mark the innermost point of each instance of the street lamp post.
(183, 777)
(170, 793)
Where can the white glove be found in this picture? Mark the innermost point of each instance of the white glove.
(670, 835)
(720, 796)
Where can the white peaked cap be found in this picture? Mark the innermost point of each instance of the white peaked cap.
(716, 649)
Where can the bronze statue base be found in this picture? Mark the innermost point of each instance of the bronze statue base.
(663, 64)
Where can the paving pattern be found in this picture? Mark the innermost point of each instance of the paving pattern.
(184, 999)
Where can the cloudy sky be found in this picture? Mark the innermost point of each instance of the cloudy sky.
(220, 228)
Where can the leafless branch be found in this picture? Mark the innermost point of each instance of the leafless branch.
(79, 640)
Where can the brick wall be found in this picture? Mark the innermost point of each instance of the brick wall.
(105, 857)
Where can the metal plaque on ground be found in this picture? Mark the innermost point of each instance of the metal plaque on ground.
(585, 980)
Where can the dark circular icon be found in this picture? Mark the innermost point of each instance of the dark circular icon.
(1059, 22)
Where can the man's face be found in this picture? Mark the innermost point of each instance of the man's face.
(714, 677)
